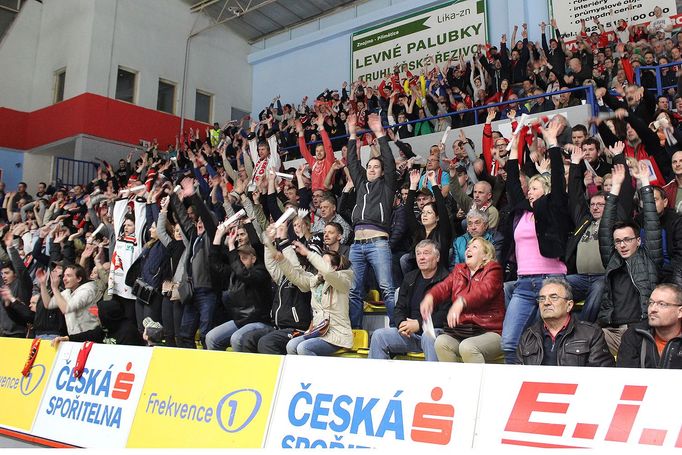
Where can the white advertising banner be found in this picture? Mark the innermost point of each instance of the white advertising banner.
(570, 407)
(327, 402)
(568, 15)
(97, 409)
(452, 29)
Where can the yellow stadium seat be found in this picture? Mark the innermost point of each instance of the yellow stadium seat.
(360, 347)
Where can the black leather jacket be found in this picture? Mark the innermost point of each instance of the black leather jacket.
(582, 345)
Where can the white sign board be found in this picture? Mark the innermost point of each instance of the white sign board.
(568, 15)
(333, 403)
(571, 407)
(97, 409)
(452, 29)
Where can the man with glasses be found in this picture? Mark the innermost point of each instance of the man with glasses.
(586, 271)
(560, 339)
(656, 342)
(632, 270)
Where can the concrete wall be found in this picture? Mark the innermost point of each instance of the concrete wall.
(308, 59)
(92, 38)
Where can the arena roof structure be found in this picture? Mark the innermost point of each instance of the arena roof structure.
(257, 19)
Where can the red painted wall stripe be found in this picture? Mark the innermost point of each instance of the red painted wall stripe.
(89, 114)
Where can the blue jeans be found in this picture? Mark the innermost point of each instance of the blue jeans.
(378, 255)
(312, 346)
(237, 339)
(388, 341)
(218, 339)
(228, 334)
(47, 336)
(198, 314)
(588, 288)
(522, 312)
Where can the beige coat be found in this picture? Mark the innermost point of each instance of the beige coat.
(331, 303)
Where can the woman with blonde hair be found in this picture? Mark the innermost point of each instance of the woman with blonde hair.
(535, 237)
(475, 288)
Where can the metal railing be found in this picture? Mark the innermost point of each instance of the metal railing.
(589, 96)
(659, 81)
(70, 172)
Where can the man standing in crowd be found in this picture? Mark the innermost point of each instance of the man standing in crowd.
(375, 187)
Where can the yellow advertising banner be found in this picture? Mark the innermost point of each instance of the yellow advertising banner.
(205, 399)
(20, 395)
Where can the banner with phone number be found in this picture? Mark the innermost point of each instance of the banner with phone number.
(569, 14)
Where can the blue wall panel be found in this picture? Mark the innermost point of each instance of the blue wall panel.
(11, 173)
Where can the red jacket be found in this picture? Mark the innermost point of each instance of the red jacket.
(318, 169)
(483, 293)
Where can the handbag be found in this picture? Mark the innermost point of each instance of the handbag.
(144, 292)
(170, 289)
(319, 330)
(186, 291)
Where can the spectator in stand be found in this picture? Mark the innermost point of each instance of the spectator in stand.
(537, 237)
(78, 300)
(333, 236)
(330, 326)
(198, 309)
(321, 163)
(477, 227)
(481, 200)
(559, 338)
(433, 223)
(177, 245)
(247, 299)
(370, 218)
(632, 270)
(291, 309)
(475, 313)
(407, 334)
(328, 215)
(656, 342)
(673, 189)
(582, 258)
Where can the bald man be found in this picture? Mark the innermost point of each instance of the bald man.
(482, 200)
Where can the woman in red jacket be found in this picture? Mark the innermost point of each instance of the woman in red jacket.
(475, 289)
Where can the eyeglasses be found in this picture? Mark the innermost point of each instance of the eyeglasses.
(554, 298)
(624, 241)
(597, 204)
(662, 304)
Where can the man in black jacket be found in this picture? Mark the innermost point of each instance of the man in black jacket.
(248, 296)
(657, 342)
(671, 230)
(632, 270)
(407, 334)
(582, 251)
(559, 338)
(290, 311)
(371, 218)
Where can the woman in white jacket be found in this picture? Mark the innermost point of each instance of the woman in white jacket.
(329, 299)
